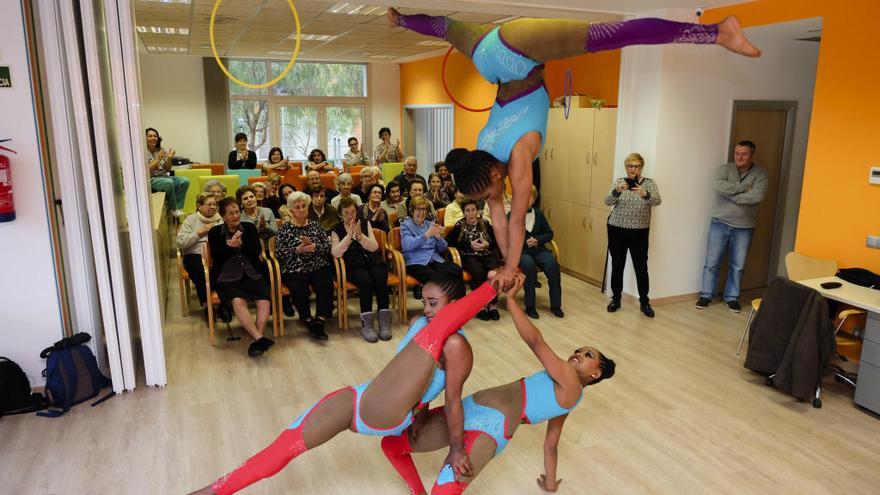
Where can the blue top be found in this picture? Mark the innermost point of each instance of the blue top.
(499, 63)
(438, 379)
(540, 399)
(511, 120)
(416, 249)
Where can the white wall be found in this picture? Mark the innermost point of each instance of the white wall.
(173, 102)
(30, 313)
(675, 108)
(385, 106)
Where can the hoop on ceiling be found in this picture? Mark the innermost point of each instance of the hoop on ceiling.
(449, 93)
(235, 79)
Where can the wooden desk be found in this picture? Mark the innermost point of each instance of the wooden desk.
(868, 384)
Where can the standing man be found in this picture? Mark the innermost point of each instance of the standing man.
(741, 186)
(408, 175)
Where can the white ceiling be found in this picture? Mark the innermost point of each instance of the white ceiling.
(262, 28)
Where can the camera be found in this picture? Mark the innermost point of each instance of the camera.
(698, 12)
(631, 183)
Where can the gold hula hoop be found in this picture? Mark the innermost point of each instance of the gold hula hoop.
(235, 79)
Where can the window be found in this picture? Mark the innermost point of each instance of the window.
(316, 105)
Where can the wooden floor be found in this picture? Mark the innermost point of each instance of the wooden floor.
(681, 416)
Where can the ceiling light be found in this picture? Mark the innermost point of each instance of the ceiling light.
(183, 31)
(433, 43)
(142, 29)
(346, 8)
(281, 54)
(385, 57)
(170, 30)
(156, 30)
(502, 21)
(314, 37)
(337, 8)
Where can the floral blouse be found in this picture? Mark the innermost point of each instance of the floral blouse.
(289, 239)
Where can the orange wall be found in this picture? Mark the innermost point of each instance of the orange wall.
(594, 74)
(838, 207)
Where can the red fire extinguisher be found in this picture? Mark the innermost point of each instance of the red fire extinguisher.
(7, 205)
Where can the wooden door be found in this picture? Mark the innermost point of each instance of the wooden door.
(597, 247)
(577, 238)
(555, 211)
(604, 140)
(579, 130)
(767, 129)
(554, 165)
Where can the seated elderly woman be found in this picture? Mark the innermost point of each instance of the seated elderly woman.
(437, 195)
(372, 209)
(326, 215)
(303, 250)
(423, 244)
(260, 216)
(416, 190)
(260, 192)
(475, 240)
(354, 242)
(318, 162)
(216, 188)
(284, 191)
(191, 239)
(273, 199)
(344, 185)
(239, 274)
(453, 212)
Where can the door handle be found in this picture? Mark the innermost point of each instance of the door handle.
(584, 222)
(551, 154)
(595, 158)
(589, 161)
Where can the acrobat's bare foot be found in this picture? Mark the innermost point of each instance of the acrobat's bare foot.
(732, 37)
(393, 16)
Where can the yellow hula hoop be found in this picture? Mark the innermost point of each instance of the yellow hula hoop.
(235, 79)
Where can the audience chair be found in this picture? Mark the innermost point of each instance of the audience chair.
(194, 175)
(183, 281)
(393, 260)
(355, 178)
(244, 173)
(392, 218)
(215, 168)
(391, 170)
(355, 169)
(255, 179)
(214, 299)
(452, 254)
(441, 213)
(407, 281)
(329, 181)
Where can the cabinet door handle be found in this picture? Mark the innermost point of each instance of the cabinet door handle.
(551, 153)
(591, 223)
(584, 222)
(589, 161)
(595, 158)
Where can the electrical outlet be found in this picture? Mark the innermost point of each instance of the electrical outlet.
(873, 242)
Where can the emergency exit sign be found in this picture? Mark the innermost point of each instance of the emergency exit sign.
(5, 78)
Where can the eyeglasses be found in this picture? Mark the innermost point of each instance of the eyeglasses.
(634, 165)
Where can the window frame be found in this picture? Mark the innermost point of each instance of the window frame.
(320, 102)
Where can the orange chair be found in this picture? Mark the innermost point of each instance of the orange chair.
(355, 169)
(356, 178)
(259, 178)
(183, 280)
(453, 255)
(216, 168)
(214, 299)
(394, 260)
(329, 181)
(441, 213)
(299, 182)
(407, 281)
(392, 218)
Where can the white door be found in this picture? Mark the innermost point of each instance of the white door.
(434, 134)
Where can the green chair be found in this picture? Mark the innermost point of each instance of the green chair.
(230, 181)
(193, 174)
(391, 170)
(243, 174)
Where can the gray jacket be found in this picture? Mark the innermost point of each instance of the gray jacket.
(739, 195)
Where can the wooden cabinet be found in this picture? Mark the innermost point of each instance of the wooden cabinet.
(576, 173)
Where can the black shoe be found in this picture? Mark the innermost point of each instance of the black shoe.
(265, 343)
(532, 312)
(613, 306)
(557, 312)
(484, 315)
(417, 292)
(734, 306)
(255, 349)
(703, 302)
(224, 313)
(647, 310)
(205, 313)
(316, 330)
(287, 307)
(494, 314)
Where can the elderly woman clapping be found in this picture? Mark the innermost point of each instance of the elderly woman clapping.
(191, 239)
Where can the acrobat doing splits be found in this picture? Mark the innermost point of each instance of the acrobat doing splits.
(512, 55)
(387, 404)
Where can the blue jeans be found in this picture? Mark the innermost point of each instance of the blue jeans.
(724, 239)
(174, 189)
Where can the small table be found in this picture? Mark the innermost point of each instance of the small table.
(868, 384)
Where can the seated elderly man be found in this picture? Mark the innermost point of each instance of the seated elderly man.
(405, 178)
(314, 182)
(369, 176)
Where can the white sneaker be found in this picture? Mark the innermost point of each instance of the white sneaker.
(177, 213)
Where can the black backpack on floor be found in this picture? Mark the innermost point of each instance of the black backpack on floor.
(15, 390)
(72, 375)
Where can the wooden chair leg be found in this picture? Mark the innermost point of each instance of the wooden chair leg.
(184, 307)
(210, 320)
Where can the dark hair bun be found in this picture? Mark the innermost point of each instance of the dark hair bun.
(458, 160)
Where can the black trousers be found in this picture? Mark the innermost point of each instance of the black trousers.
(424, 273)
(192, 263)
(321, 281)
(529, 264)
(370, 281)
(636, 242)
(478, 267)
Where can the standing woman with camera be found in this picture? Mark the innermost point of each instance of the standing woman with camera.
(631, 198)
